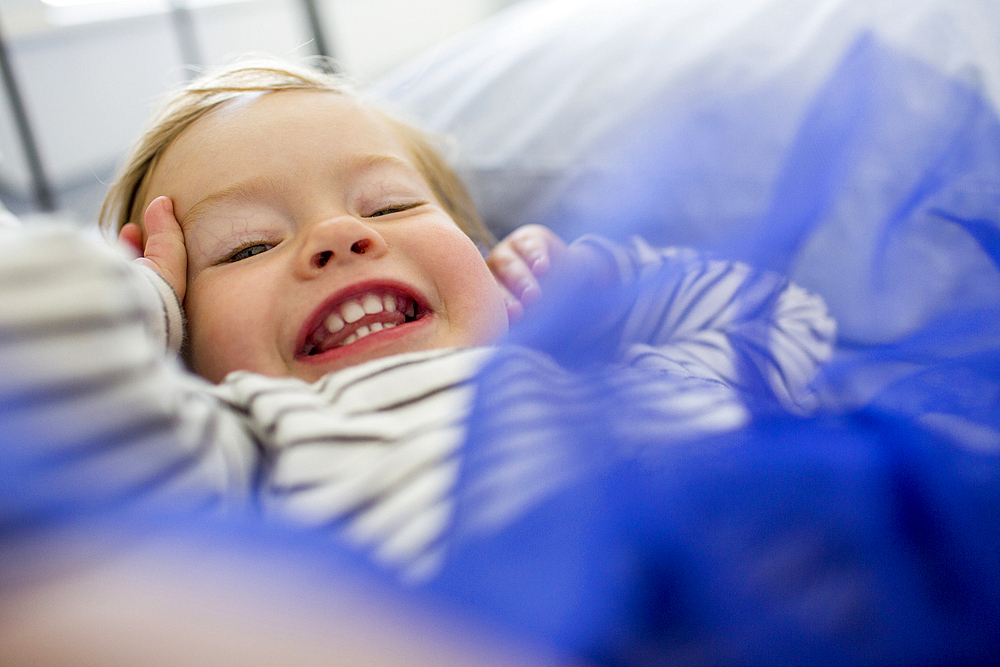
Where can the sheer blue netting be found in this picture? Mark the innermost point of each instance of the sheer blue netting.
(865, 534)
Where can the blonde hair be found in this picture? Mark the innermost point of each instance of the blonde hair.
(181, 108)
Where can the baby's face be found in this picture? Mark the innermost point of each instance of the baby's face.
(314, 243)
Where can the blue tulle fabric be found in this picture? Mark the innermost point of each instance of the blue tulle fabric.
(864, 534)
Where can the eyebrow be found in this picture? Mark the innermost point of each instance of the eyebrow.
(249, 190)
(369, 161)
(263, 187)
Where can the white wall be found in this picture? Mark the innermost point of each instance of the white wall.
(371, 36)
(88, 87)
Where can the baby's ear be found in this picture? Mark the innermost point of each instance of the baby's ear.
(130, 239)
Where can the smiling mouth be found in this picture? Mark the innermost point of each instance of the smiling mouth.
(359, 316)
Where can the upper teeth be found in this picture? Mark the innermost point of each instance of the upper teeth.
(354, 309)
(372, 304)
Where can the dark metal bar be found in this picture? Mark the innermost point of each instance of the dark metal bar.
(44, 198)
(187, 38)
(318, 34)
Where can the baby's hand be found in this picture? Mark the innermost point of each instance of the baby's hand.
(164, 251)
(519, 260)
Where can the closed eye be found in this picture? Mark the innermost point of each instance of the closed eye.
(389, 210)
(248, 251)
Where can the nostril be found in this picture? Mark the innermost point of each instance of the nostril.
(361, 247)
(320, 259)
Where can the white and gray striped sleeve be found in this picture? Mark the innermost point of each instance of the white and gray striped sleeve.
(370, 453)
(721, 320)
(95, 411)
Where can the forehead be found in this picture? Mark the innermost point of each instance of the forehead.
(284, 132)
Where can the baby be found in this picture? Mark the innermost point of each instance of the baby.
(313, 237)
(327, 263)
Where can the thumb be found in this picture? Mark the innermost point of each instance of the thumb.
(165, 244)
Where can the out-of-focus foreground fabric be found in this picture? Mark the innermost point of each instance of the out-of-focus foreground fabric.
(854, 146)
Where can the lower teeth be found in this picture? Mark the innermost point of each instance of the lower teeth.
(314, 349)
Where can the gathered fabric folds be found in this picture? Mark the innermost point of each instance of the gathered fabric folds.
(864, 533)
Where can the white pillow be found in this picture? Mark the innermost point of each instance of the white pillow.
(550, 94)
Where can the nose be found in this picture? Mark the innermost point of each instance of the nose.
(336, 241)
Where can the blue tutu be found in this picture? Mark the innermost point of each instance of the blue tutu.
(863, 535)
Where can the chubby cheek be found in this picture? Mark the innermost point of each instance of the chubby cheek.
(474, 304)
(225, 329)
(491, 310)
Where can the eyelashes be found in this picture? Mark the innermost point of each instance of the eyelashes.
(248, 251)
(396, 208)
(258, 247)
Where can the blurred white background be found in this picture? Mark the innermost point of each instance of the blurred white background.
(86, 72)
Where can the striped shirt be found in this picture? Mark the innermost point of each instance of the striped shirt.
(97, 412)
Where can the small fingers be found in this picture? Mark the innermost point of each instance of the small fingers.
(513, 273)
(159, 219)
(538, 246)
(535, 254)
(519, 260)
(515, 310)
(165, 244)
(130, 239)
